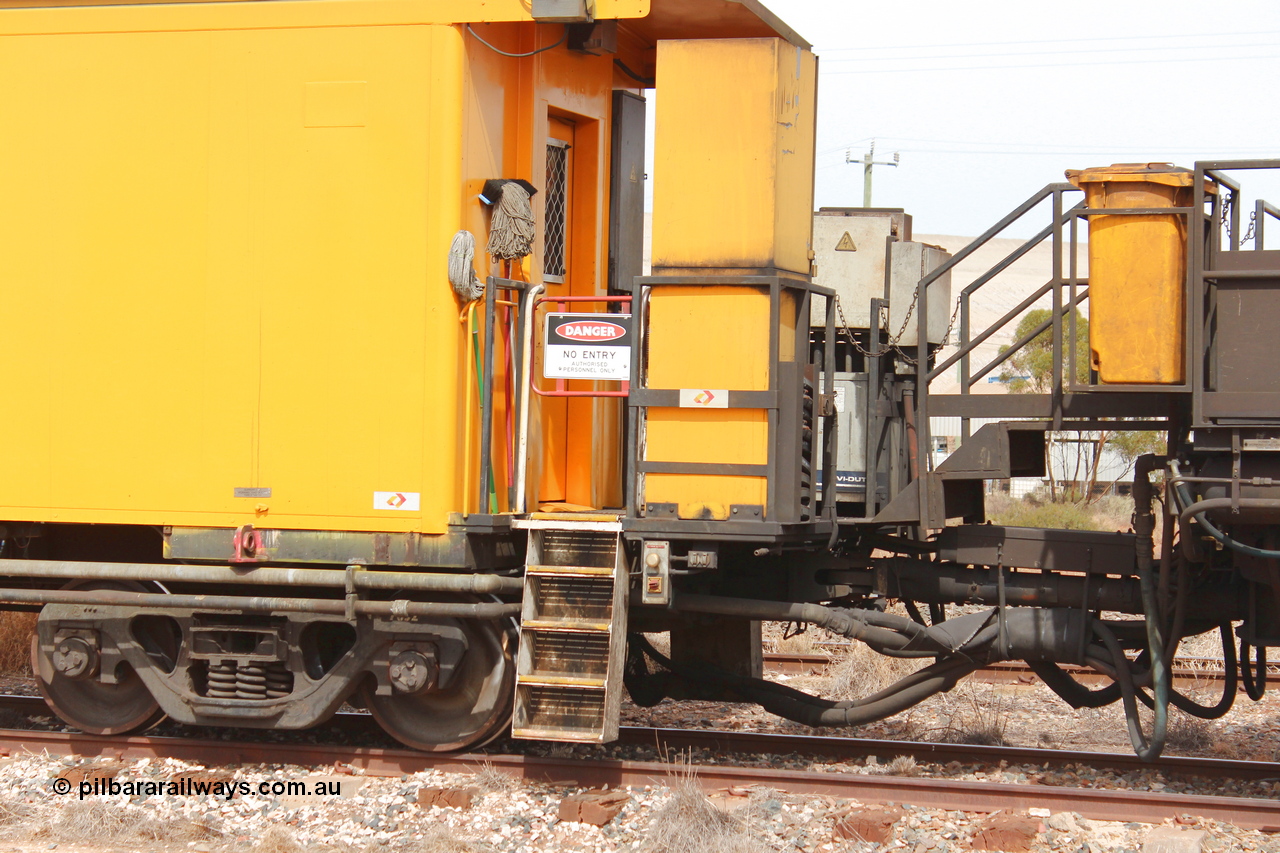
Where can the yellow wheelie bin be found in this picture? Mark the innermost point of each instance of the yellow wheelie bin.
(1137, 272)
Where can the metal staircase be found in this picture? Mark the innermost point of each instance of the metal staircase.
(955, 490)
(572, 629)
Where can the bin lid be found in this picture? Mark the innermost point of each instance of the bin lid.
(1152, 173)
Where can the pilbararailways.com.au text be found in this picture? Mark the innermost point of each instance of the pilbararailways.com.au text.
(196, 788)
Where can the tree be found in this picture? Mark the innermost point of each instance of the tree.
(1030, 371)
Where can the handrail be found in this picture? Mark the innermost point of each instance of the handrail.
(981, 240)
(1026, 339)
(561, 389)
(923, 375)
(1008, 261)
(526, 369)
(1261, 210)
(990, 330)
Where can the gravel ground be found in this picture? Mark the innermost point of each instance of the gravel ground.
(374, 814)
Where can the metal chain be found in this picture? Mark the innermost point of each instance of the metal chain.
(894, 343)
(1226, 215)
(1248, 235)
(848, 333)
(946, 338)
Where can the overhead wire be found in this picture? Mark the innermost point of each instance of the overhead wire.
(1020, 42)
(1180, 60)
(1049, 52)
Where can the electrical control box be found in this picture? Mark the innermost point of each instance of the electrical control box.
(868, 253)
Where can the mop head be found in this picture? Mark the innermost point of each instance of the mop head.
(511, 232)
(462, 271)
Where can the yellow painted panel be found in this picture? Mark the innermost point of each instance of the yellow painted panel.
(707, 337)
(733, 155)
(788, 308)
(215, 294)
(721, 435)
(92, 16)
(336, 103)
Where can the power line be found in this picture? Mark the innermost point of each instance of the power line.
(1159, 151)
(1050, 65)
(1051, 41)
(926, 56)
(1149, 152)
(1083, 148)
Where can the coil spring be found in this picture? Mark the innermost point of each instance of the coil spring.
(251, 681)
(279, 681)
(222, 680)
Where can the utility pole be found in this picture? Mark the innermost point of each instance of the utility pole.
(868, 160)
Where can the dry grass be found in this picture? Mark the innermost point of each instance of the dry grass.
(901, 765)
(1206, 645)
(277, 839)
(99, 822)
(862, 672)
(976, 714)
(492, 780)
(15, 642)
(796, 644)
(15, 814)
(689, 823)
(812, 641)
(1188, 734)
(1032, 512)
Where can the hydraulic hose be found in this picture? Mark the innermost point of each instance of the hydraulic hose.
(1144, 526)
(1071, 691)
(1255, 680)
(1144, 748)
(814, 711)
(881, 631)
(1189, 508)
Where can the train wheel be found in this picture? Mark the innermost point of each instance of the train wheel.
(473, 710)
(80, 699)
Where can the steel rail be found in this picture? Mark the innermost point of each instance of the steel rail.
(859, 749)
(1094, 803)
(844, 748)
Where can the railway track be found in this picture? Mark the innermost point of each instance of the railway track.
(951, 794)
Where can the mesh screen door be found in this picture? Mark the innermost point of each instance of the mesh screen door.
(554, 264)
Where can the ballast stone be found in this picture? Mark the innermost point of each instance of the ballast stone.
(1171, 839)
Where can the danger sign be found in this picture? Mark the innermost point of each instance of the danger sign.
(587, 346)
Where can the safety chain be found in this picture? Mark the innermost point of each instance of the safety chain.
(894, 343)
(1225, 221)
(848, 333)
(1248, 235)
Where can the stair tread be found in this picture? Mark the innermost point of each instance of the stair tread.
(550, 733)
(561, 681)
(586, 571)
(565, 625)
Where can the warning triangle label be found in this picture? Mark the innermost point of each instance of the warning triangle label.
(846, 244)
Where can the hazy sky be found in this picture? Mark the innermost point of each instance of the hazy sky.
(988, 100)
